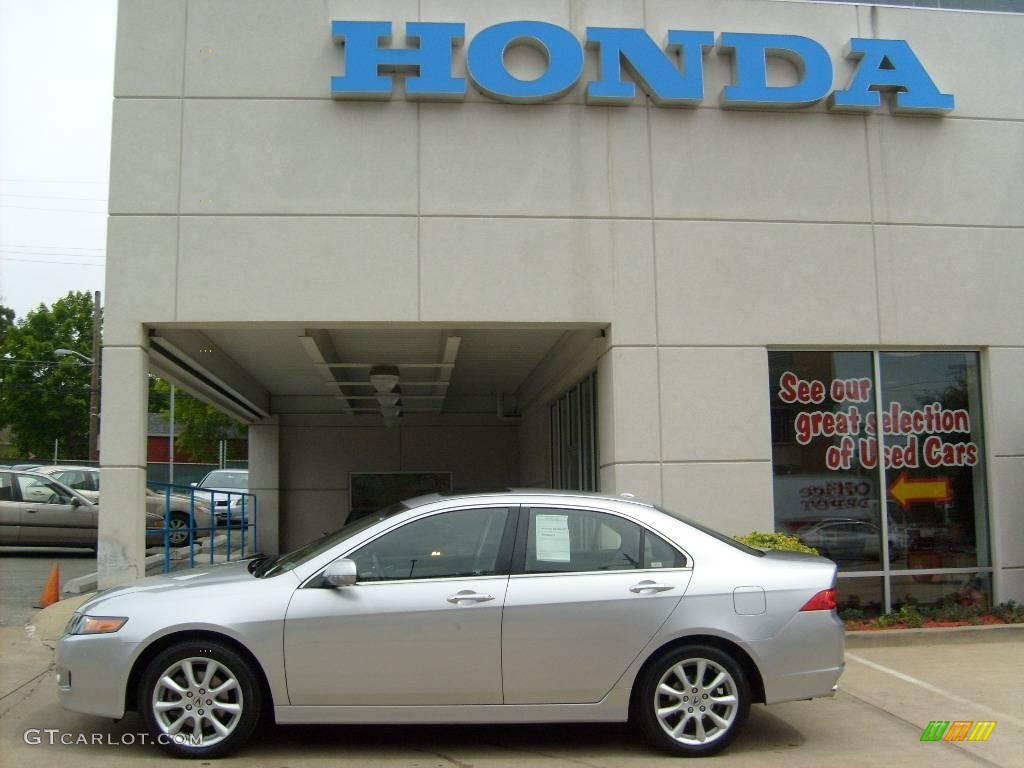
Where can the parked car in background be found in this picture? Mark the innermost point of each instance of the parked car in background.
(224, 490)
(848, 541)
(519, 606)
(38, 511)
(85, 480)
(183, 515)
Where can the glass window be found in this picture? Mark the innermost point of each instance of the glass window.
(931, 417)
(78, 479)
(823, 457)
(565, 540)
(41, 491)
(6, 487)
(860, 598)
(968, 590)
(658, 553)
(835, 459)
(461, 543)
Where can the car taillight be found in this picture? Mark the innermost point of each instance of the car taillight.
(823, 601)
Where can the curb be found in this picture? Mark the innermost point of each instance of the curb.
(989, 633)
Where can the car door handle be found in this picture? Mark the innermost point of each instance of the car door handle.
(650, 586)
(468, 596)
(30, 511)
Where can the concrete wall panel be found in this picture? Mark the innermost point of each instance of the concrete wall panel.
(950, 285)
(732, 283)
(144, 156)
(142, 247)
(308, 268)
(150, 48)
(734, 498)
(714, 404)
(549, 161)
(304, 157)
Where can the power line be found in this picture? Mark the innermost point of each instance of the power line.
(21, 252)
(52, 197)
(41, 261)
(52, 247)
(58, 210)
(51, 181)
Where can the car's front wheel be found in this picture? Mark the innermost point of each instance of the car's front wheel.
(692, 700)
(200, 700)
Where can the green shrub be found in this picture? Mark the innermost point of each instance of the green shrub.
(1011, 612)
(761, 540)
(852, 614)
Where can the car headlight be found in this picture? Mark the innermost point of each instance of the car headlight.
(81, 624)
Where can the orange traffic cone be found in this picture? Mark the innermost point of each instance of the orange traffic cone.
(51, 592)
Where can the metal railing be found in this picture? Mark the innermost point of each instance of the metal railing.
(215, 526)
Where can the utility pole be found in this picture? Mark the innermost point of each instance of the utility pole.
(94, 381)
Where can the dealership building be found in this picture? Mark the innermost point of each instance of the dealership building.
(757, 261)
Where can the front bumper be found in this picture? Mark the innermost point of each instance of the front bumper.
(92, 672)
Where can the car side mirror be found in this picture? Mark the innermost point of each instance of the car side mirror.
(340, 573)
(75, 501)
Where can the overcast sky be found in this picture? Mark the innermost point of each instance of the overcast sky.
(56, 94)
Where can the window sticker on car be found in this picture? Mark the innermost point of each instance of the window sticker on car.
(656, 564)
(552, 538)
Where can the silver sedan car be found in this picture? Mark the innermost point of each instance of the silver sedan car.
(520, 606)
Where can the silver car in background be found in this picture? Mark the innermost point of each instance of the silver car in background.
(519, 606)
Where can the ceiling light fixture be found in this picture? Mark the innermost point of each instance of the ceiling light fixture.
(388, 399)
(384, 378)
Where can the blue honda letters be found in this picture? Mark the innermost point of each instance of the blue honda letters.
(672, 75)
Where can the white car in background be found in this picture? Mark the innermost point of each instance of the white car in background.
(85, 480)
(225, 491)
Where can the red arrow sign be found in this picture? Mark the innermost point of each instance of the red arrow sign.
(929, 489)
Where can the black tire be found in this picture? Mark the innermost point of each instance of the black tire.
(246, 695)
(179, 529)
(691, 710)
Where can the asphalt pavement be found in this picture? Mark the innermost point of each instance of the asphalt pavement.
(893, 686)
(23, 574)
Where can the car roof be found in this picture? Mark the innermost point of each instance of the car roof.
(65, 467)
(506, 493)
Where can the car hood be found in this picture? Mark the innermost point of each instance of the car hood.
(203, 577)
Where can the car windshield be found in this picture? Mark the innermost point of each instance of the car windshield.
(226, 479)
(287, 562)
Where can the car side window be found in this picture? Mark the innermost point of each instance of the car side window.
(40, 491)
(658, 553)
(6, 487)
(567, 540)
(76, 479)
(465, 542)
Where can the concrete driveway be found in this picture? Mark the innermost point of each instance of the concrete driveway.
(887, 696)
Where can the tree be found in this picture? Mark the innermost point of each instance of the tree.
(204, 425)
(6, 321)
(44, 398)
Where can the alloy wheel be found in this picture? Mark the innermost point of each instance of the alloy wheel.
(198, 698)
(696, 701)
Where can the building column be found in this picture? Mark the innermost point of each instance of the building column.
(264, 472)
(121, 553)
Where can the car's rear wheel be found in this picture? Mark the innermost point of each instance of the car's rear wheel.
(178, 529)
(692, 700)
(200, 700)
